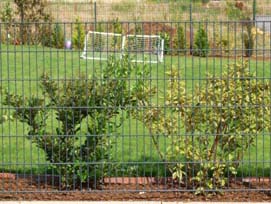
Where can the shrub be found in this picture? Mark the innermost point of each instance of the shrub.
(220, 120)
(248, 39)
(7, 17)
(99, 40)
(116, 26)
(239, 11)
(138, 29)
(167, 40)
(47, 32)
(205, 1)
(91, 101)
(201, 45)
(221, 44)
(78, 35)
(57, 36)
(180, 41)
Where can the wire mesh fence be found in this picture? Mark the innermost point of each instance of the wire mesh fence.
(197, 121)
(146, 10)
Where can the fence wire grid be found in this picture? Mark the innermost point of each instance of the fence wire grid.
(199, 121)
(145, 10)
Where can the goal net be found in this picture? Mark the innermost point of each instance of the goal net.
(145, 48)
(101, 45)
(139, 48)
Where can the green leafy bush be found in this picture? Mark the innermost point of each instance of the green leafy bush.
(78, 35)
(77, 153)
(219, 123)
(57, 36)
(201, 45)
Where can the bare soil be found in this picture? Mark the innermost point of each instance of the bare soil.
(121, 189)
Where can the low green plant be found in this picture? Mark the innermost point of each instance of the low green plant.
(211, 129)
(78, 35)
(201, 45)
(85, 110)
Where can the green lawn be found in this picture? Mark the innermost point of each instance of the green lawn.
(21, 67)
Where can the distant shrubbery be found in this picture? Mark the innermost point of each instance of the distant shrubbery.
(201, 45)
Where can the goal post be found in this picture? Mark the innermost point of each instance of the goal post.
(101, 45)
(140, 48)
(145, 48)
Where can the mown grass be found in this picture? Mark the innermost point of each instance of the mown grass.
(21, 67)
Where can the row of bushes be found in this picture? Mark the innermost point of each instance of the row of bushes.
(210, 130)
(201, 44)
(30, 23)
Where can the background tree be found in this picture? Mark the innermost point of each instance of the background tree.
(31, 14)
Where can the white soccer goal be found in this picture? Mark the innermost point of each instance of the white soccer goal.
(140, 48)
(145, 48)
(101, 45)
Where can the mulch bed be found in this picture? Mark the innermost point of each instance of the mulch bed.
(28, 188)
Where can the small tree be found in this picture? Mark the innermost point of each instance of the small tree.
(201, 46)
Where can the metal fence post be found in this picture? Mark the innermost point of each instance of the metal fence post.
(95, 15)
(191, 28)
(254, 10)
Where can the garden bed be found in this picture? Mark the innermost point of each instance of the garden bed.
(127, 188)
